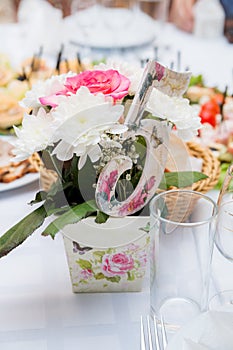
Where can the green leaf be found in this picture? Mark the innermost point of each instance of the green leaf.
(84, 264)
(145, 228)
(196, 80)
(101, 217)
(114, 279)
(22, 230)
(99, 276)
(71, 216)
(131, 276)
(40, 196)
(181, 179)
(99, 254)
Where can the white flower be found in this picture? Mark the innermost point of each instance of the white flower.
(75, 103)
(35, 135)
(43, 88)
(132, 71)
(84, 121)
(178, 111)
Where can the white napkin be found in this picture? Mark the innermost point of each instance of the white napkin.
(41, 24)
(211, 330)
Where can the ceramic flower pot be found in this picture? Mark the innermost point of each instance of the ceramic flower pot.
(108, 257)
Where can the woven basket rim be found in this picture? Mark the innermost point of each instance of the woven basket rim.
(210, 167)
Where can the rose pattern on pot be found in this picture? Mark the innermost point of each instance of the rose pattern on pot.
(112, 266)
(116, 264)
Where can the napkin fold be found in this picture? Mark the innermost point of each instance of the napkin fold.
(212, 330)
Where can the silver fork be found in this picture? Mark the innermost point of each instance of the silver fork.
(150, 339)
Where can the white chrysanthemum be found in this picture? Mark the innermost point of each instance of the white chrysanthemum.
(178, 111)
(75, 103)
(35, 135)
(44, 88)
(85, 121)
(132, 71)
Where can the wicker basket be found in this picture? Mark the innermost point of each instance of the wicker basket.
(180, 207)
(210, 167)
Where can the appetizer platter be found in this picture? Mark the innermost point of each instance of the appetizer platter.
(13, 174)
(215, 109)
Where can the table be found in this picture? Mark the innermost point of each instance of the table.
(37, 307)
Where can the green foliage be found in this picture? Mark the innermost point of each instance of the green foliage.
(101, 217)
(224, 168)
(114, 279)
(99, 276)
(196, 80)
(17, 234)
(71, 216)
(180, 179)
(84, 264)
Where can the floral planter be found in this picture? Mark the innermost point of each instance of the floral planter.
(108, 257)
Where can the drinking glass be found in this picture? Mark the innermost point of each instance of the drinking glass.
(182, 227)
(224, 243)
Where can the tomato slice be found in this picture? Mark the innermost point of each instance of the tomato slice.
(209, 111)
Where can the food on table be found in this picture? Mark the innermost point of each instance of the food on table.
(194, 93)
(216, 111)
(6, 75)
(33, 69)
(209, 112)
(11, 113)
(10, 170)
(6, 71)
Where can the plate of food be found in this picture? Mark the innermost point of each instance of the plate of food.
(215, 109)
(16, 174)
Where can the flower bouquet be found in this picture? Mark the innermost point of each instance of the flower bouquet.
(105, 132)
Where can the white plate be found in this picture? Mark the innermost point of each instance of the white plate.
(22, 181)
(99, 30)
(25, 180)
(211, 330)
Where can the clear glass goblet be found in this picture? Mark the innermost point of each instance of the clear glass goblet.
(224, 243)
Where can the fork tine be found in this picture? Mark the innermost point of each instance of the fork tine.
(149, 334)
(142, 336)
(156, 334)
(149, 337)
(163, 330)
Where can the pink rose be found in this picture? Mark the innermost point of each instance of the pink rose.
(109, 82)
(116, 264)
(85, 274)
(52, 100)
